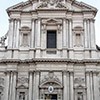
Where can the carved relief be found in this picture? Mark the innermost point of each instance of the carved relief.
(23, 80)
(51, 4)
(79, 80)
(50, 77)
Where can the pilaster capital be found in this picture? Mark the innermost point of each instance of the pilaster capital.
(87, 72)
(92, 20)
(95, 73)
(71, 72)
(33, 19)
(70, 20)
(11, 20)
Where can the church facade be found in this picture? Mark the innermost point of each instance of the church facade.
(51, 53)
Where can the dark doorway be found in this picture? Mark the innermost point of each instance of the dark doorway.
(50, 96)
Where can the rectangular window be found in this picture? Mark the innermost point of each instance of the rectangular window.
(51, 39)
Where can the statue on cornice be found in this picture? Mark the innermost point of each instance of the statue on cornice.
(2, 40)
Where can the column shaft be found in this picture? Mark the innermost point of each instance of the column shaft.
(88, 32)
(96, 86)
(11, 85)
(65, 85)
(10, 34)
(88, 86)
(67, 33)
(36, 86)
(30, 85)
(38, 33)
(92, 33)
(91, 85)
(7, 86)
(70, 34)
(68, 85)
(85, 34)
(14, 86)
(71, 86)
(32, 35)
(17, 33)
(14, 33)
(64, 33)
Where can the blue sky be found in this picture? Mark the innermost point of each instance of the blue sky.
(4, 4)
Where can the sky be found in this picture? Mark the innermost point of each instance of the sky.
(4, 23)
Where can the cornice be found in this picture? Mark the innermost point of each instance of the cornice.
(43, 60)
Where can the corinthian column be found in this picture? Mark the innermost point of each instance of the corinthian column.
(7, 86)
(30, 85)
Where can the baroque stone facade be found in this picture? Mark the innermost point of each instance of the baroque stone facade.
(51, 52)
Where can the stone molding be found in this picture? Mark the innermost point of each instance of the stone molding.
(40, 60)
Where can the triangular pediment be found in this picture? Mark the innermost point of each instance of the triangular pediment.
(51, 21)
(51, 4)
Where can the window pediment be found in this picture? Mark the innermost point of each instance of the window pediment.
(52, 21)
(25, 29)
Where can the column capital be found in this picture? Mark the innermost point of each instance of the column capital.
(95, 72)
(92, 20)
(69, 19)
(71, 72)
(11, 20)
(33, 19)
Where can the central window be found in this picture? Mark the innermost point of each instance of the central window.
(51, 39)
